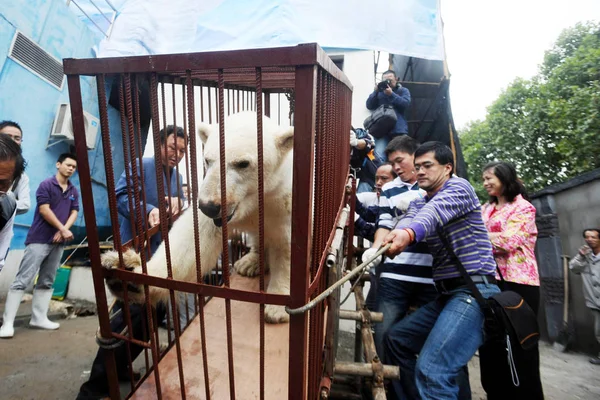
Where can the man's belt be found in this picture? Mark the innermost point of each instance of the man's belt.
(448, 285)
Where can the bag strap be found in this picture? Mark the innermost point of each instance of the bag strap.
(463, 272)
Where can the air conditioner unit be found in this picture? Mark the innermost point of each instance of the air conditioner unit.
(62, 128)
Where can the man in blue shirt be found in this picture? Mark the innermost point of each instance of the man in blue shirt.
(56, 212)
(172, 151)
(394, 95)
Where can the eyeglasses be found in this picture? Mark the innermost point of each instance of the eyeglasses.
(425, 166)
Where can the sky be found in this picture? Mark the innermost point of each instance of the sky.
(490, 43)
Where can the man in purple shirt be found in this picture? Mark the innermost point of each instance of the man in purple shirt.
(445, 333)
(57, 207)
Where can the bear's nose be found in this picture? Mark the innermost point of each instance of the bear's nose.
(210, 209)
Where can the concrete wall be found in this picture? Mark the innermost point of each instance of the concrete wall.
(570, 211)
(32, 102)
(579, 208)
(358, 67)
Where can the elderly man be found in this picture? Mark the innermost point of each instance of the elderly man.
(449, 220)
(587, 263)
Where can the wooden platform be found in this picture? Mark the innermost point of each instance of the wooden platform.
(245, 328)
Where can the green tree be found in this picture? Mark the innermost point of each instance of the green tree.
(547, 126)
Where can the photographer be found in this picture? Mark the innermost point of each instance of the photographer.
(390, 92)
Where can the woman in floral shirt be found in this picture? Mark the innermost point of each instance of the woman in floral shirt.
(510, 221)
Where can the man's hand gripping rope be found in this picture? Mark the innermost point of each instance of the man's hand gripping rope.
(367, 262)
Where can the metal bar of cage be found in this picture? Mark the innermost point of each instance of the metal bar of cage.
(320, 111)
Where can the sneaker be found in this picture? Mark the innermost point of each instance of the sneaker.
(595, 360)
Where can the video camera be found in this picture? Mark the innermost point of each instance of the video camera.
(381, 86)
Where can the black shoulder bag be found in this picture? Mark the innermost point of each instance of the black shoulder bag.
(381, 121)
(509, 320)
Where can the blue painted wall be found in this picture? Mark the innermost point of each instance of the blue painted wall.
(32, 102)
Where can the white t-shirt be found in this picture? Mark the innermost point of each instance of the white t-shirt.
(22, 193)
(6, 235)
(368, 199)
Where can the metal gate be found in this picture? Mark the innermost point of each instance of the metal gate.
(207, 87)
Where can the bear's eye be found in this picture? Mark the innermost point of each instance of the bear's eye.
(241, 164)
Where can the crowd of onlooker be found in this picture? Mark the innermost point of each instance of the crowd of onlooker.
(56, 209)
(408, 196)
(442, 241)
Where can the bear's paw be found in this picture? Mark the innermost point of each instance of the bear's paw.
(276, 314)
(131, 262)
(248, 264)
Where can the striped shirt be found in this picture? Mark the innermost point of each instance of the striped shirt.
(456, 210)
(414, 263)
(394, 201)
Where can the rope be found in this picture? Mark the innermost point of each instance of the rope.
(310, 305)
(352, 288)
(111, 342)
(73, 252)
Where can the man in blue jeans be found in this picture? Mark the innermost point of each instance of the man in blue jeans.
(445, 333)
(394, 95)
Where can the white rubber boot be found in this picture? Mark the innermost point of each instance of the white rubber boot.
(39, 310)
(10, 312)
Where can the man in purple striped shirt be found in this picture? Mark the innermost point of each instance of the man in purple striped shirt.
(446, 333)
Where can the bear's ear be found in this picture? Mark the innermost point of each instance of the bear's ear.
(204, 131)
(285, 140)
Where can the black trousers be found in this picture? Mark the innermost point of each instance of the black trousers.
(96, 386)
(496, 377)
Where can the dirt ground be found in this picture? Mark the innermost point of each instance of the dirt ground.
(52, 365)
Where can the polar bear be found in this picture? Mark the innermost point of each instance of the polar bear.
(242, 208)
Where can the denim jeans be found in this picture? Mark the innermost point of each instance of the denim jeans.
(445, 334)
(381, 143)
(394, 297)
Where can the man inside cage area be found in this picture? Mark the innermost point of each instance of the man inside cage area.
(172, 150)
(446, 332)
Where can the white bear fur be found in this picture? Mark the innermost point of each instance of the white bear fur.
(242, 201)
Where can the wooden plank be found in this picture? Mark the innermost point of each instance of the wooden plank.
(245, 323)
